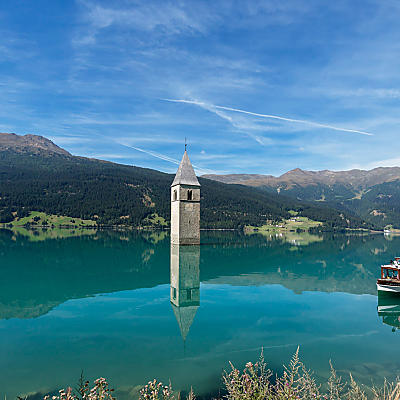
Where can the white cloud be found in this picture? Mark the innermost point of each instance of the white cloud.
(390, 162)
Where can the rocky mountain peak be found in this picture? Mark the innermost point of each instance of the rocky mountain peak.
(29, 144)
(356, 178)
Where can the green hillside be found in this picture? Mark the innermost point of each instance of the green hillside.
(378, 204)
(372, 195)
(112, 194)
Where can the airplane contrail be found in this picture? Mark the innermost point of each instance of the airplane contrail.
(163, 157)
(301, 121)
(151, 153)
(154, 154)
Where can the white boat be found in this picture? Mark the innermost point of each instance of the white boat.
(388, 288)
(390, 277)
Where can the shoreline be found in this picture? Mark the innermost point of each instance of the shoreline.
(252, 230)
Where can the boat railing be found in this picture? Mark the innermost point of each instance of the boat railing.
(390, 272)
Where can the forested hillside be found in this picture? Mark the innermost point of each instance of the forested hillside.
(112, 194)
(372, 195)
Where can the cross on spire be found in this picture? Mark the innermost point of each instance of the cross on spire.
(185, 143)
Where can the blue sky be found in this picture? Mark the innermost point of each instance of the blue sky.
(95, 76)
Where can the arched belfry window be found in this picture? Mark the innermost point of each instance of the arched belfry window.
(190, 195)
(175, 195)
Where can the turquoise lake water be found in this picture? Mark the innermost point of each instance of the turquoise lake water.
(122, 306)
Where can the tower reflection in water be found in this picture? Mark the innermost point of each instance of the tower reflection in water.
(185, 285)
(389, 309)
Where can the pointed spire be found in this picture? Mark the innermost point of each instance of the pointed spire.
(185, 316)
(185, 174)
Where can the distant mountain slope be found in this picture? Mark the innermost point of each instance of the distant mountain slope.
(356, 178)
(29, 143)
(373, 195)
(53, 181)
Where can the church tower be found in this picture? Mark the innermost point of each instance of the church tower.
(185, 205)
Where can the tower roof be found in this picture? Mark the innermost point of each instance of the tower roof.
(185, 317)
(185, 174)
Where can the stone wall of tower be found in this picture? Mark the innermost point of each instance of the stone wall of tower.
(185, 214)
(185, 275)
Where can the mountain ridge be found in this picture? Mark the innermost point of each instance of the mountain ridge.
(40, 176)
(354, 177)
(33, 143)
(373, 195)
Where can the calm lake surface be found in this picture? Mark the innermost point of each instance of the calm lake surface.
(128, 307)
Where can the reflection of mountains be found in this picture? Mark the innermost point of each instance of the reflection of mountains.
(337, 264)
(300, 281)
(38, 276)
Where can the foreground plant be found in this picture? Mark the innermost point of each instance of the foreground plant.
(297, 383)
(156, 391)
(100, 391)
(389, 391)
(253, 383)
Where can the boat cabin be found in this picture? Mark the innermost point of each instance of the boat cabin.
(391, 272)
(390, 277)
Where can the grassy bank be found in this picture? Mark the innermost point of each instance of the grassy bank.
(295, 223)
(41, 234)
(41, 219)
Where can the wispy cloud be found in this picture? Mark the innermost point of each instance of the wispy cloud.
(361, 92)
(164, 157)
(149, 152)
(276, 117)
(122, 142)
(105, 156)
(106, 70)
(14, 48)
(67, 140)
(169, 18)
(240, 126)
(389, 162)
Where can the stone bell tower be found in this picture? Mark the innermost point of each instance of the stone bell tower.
(185, 205)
